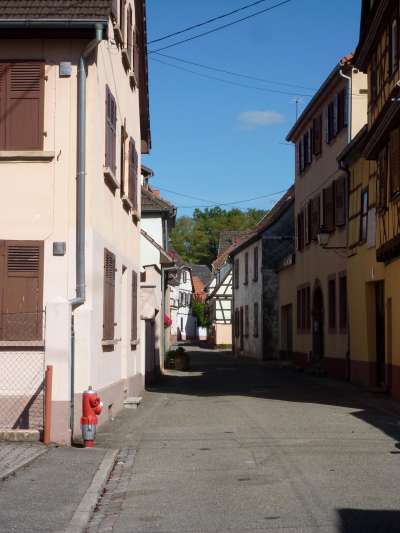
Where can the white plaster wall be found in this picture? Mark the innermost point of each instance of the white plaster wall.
(154, 227)
(248, 295)
(183, 321)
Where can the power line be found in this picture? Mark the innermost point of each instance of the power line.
(222, 27)
(231, 73)
(206, 22)
(217, 204)
(230, 82)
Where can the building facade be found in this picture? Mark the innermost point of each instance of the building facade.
(374, 163)
(183, 325)
(70, 215)
(319, 273)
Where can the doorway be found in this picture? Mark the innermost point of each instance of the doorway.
(241, 329)
(150, 351)
(380, 334)
(318, 324)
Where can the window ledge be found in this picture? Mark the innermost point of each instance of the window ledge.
(135, 215)
(36, 344)
(110, 179)
(135, 342)
(127, 202)
(111, 342)
(133, 80)
(26, 155)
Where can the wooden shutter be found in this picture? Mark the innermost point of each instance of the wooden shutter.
(129, 34)
(255, 320)
(134, 315)
(111, 131)
(340, 201)
(122, 19)
(343, 302)
(3, 102)
(21, 285)
(114, 10)
(298, 309)
(297, 158)
(246, 268)
(133, 170)
(109, 295)
(300, 231)
(328, 207)
(246, 320)
(317, 135)
(315, 217)
(335, 107)
(123, 157)
(301, 157)
(255, 276)
(308, 308)
(307, 222)
(394, 161)
(24, 106)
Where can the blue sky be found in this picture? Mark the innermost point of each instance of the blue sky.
(225, 143)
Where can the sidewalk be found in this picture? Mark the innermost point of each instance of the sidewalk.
(44, 496)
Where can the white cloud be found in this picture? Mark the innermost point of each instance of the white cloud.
(259, 119)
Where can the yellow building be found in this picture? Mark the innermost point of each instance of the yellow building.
(374, 206)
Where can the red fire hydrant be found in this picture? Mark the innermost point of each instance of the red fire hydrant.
(91, 407)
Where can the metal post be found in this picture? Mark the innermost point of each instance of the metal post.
(48, 390)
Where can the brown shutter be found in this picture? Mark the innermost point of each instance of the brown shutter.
(22, 291)
(109, 295)
(255, 277)
(134, 317)
(25, 98)
(246, 268)
(129, 34)
(122, 20)
(340, 201)
(308, 308)
(3, 100)
(111, 131)
(123, 156)
(394, 161)
(133, 171)
(307, 222)
(315, 217)
(328, 207)
(114, 9)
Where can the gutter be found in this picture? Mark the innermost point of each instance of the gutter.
(80, 291)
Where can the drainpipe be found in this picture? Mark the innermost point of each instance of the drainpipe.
(80, 206)
(349, 102)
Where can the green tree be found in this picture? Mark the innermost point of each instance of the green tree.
(196, 238)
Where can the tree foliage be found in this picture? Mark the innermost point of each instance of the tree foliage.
(196, 238)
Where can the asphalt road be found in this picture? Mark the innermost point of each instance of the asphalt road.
(233, 446)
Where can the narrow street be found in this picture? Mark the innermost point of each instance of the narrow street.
(237, 446)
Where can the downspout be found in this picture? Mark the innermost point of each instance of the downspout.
(80, 291)
(349, 102)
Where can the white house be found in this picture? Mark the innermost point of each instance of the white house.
(73, 127)
(219, 307)
(158, 218)
(183, 321)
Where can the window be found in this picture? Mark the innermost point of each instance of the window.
(21, 290)
(364, 216)
(304, 308)
(317, 135)
(332, 303)
(306, 149)
(255, 320)
(246, 321)
(307, 222)
(330, 122)
(328, 198)
(340, 201)
(394, 162)
(343, 302)
(246, 268)
(22, 105)
(255, 264)
(111, 130)
(342, 109)
(237, 330)
(236, 273)
(394, 46)
(133, 174)
(109, 295)
(184, 276)
(300, 157)
(134, 313)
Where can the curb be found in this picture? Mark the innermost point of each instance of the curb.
(84, 511)
(22, 464)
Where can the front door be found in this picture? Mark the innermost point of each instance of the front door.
(318, 324)
(380, 334)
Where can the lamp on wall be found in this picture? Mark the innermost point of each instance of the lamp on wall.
(323, 239)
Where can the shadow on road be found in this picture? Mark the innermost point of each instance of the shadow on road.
(368, 521)
(214, 373)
